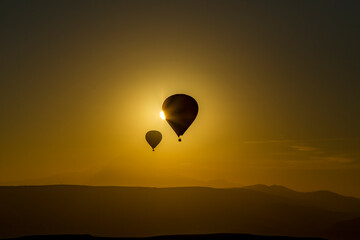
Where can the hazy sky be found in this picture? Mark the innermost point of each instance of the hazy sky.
(277, 83)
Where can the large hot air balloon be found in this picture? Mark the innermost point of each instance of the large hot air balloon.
(153, 138)
(180, 111)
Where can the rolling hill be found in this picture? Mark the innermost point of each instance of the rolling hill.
(141, 212)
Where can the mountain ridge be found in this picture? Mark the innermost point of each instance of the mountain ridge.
(117, 211)
(334, 201)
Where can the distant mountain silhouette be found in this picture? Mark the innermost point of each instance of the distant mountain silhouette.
(218, 236)
(322, 199)
(141, 212)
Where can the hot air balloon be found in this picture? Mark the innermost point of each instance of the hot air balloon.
(153, 137)
(180, 111)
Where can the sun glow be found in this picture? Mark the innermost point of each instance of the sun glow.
(162, 115)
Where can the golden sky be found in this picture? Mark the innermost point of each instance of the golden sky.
(277, 84)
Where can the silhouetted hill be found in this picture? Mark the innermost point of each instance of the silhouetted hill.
(219, 236)
(321, 199)
(141, 212)
(346, 230)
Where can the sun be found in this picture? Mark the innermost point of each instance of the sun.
(162, 115)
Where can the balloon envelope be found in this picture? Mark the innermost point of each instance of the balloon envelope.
(180, 111)
(153, 138)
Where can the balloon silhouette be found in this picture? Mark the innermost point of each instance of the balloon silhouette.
(180, 111)
(153, 138)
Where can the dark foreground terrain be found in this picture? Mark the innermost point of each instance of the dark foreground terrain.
(220, 236)
(141, 212)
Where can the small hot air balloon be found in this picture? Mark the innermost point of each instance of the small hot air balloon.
(153, 137)
(180, 111)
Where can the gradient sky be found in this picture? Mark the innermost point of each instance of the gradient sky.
(277, 83)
